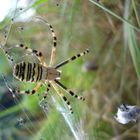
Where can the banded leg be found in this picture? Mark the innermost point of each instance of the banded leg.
(31, 91)
(6, 36)
(48, 89)
(63, 97)
(43, 102)
(7, 55)
(7, 33)
(53, 53)
(69, 91)
(71, 59)
(38, 54)
(9, 88)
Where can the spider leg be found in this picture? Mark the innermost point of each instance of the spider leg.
(7, 55)
(62, 95)
(69, 91)
(53, 52)
(7, 34)
(30, 92)
(44, 95)
(48, 89)
(10, 59)
(23, 92)
(38, 54)
(71, 59)
(53, 55)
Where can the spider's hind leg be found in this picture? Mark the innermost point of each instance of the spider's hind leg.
(34, 91)
(43, 101)
(63, 97)
(69, 91)
(29, 92)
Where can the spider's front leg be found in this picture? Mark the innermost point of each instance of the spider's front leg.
(53, 52)
(38, 54)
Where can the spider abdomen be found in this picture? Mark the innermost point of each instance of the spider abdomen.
(34, 72)
(26, 71)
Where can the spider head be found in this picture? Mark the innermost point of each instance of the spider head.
(53, 73)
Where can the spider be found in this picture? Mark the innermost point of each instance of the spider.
(41, 73)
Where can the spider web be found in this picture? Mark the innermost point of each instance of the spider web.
(21, 32)
(23, 116)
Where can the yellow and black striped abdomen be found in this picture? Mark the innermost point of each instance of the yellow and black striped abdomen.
(26, 71)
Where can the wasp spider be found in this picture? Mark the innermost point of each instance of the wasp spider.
(41, 72)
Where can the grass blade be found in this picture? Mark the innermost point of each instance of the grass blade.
(134, 49)
(131, 41)
(115, 15)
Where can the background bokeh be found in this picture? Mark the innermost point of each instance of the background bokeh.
(108, 76)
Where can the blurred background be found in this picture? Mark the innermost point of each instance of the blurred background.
(107, 77)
